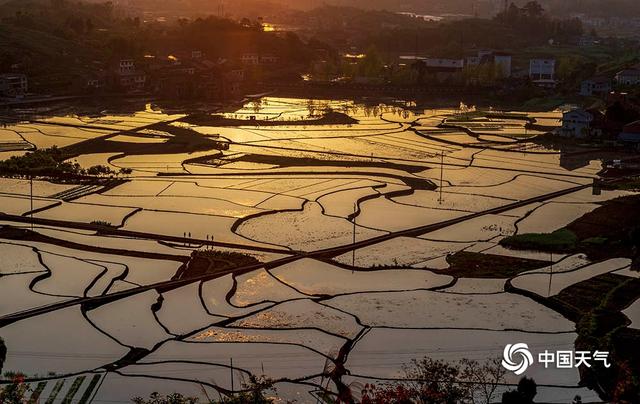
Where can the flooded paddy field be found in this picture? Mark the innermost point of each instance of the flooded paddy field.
(356, 244)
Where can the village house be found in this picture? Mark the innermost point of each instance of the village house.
(13, 85)
(96, 80)
(576, 124)
(193, 77)
(444, 69)
(542, 72)
(255, 59)
(233, 81)
(127, 77)
(501, 59)
(250, 59)
(628, 77)
(630, 135)
(596, 86)
(269, 59)
(586, 41)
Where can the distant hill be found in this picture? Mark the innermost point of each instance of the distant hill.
(483, 8)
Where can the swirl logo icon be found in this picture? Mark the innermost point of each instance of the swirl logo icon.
(510, 358)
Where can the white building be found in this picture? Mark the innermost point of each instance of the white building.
(628, 77)
(127, 66)
(128, 78)
(500, 59)
(595, 86)
(254, 59)
(473, 61)
(503, 61)
(269, 59)
(250, 59)
(13, 85)
(576, 123)
(445, 64)
(542, 69)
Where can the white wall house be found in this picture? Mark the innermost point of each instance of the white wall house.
(453, 64)
(250, 59)
(542, 69)
(576, 123)
(127, 66)
(503, 61)
(13, 85)
(628, 77)
(500, 59)
(595, 86)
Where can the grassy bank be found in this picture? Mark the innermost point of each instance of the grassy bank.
(465, 264)
(3, 354)
(559, 241)
(610, 231)
(595, 306)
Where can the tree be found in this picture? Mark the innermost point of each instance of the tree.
(533, 9)
(526, 392)
(434, 381)
(428, 381)
(528, 388)
(16, 392)
(3, 354)
(486, 378)
(253, 393)
(372, 64)
(175, 398)
(421, 68)
(89, 25)
(99, 170)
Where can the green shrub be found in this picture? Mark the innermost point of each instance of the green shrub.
(562, 240)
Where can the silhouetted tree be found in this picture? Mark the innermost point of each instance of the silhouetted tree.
(533, 9)
(526, 392)
(16, 391)
(3, 354)
(436, 382)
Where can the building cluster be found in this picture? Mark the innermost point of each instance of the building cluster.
(501, 60)
(588, 124)
(183, 75)
(603, 85)
(592, 123)
(540, 71)
(443, 69)
(13, 85)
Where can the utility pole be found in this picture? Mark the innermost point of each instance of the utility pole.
(232, 386)
(353, 251)
(441, 175)
(31, 199)
(550, 276)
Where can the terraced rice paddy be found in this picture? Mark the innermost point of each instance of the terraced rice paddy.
(354, 227)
